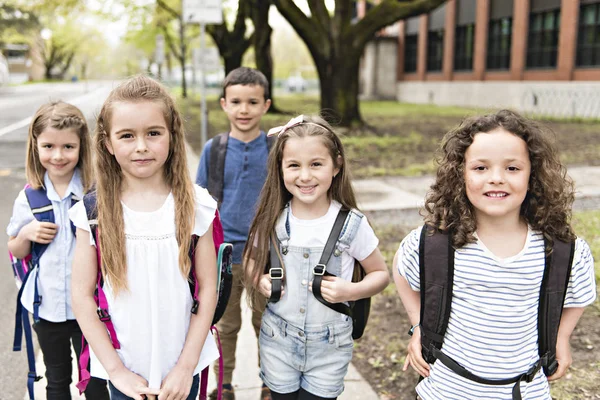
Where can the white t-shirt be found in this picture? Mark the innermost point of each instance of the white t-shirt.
(314, 233)
(492, 330)
(152, 318)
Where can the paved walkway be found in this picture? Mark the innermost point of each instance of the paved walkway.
(391, 200)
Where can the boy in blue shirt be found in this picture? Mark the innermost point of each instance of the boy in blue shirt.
(245, 100)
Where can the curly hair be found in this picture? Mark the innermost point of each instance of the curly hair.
(547, 205)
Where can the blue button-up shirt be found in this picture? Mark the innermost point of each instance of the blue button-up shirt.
(54, 273)
(245, 174)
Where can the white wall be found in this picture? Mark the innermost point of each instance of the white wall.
(560, 99)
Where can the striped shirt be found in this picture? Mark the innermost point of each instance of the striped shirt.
(492, 330)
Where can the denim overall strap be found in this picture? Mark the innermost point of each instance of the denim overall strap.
(282, 229)
(349, 231)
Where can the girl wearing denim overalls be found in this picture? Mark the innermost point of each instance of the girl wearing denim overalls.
(305, 347)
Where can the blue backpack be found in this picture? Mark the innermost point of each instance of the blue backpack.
(42, 210)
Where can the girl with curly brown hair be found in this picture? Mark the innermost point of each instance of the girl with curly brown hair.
(500, 193)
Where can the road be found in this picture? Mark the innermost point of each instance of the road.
(17, 105)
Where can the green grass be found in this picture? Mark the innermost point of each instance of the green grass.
(587, 226)
(398, 138)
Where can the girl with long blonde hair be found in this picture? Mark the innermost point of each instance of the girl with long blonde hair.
(147, 212)
(58, 167)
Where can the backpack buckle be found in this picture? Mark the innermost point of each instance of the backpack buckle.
(103, 314)
(34, 376)
(37, 303)
(319, 269)
(276, 273)
(195, 305)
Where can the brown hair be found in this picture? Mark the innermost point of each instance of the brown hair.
(58, 115)
(110, 212)
(246, 76)
(547, 205)
(274, 195)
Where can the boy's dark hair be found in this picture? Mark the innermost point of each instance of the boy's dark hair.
(246, 76)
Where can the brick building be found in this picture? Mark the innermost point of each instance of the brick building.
(533, 55)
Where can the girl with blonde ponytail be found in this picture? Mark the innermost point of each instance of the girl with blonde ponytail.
(148, 210)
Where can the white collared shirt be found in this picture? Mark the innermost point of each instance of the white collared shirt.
(54, 280)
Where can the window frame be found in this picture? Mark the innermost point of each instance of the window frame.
(542, 44)
(435, 50)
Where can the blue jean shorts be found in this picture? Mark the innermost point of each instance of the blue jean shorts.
(315, 359)
(115, 394)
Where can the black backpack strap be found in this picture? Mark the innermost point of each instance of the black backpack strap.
(275, 271)
(436, 265)
(320, 269)
(216, 170)
(552, 297)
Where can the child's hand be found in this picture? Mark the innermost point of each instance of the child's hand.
(40, 232)
(414, 358)
(335, 289)
(131, 384)
(265, 286)
(177, 384)
(564, 358)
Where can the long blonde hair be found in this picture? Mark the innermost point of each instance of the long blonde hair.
(110, 178)
(58, 115)
(274, 195)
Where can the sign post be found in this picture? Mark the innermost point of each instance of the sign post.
(202, 12)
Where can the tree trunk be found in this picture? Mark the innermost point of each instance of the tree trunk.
(183, 57)
(339, 89)
(233, 59)
(259, 12)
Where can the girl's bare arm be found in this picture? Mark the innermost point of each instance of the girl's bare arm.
(179, 380)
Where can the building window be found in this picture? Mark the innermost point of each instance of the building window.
(499, 44)
(410, 53)
(542, 46)
(463, 53)
(435, 50)
(588, 38)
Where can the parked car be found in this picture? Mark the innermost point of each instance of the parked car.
(295, 83)
(4, 75)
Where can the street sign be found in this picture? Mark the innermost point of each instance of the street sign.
(202, 11)
(209, 59)
(159, 50)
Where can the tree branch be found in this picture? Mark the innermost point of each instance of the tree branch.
(305, 27)
(168, 9)
(320, 13)
(170, 42)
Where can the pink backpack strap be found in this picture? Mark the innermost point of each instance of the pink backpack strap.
(103, 314)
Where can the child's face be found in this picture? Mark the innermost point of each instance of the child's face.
(244, 106)
(139, 138)
(308, 171)
(497, 170)
(58, 150)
